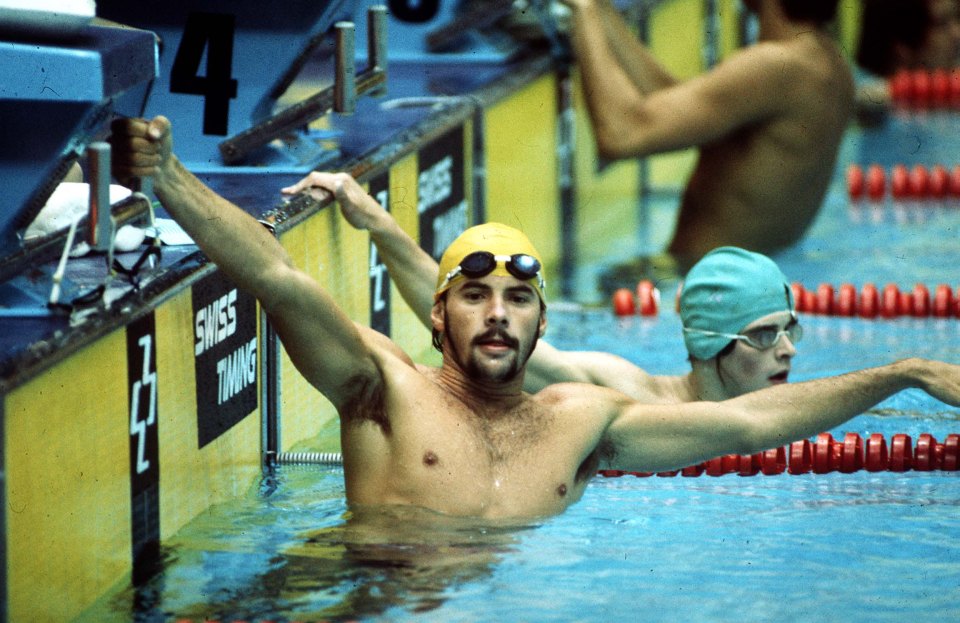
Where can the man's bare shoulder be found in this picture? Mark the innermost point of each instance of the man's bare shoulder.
(796, 54)
(771, 60)
(577, 396)
(803, 76)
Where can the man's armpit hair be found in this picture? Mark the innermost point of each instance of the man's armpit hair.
(588, 468)
(366, 402)
(606, 452)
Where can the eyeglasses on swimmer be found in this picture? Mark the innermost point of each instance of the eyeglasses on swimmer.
(761, 338)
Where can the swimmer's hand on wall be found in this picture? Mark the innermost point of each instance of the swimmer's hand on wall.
(309, 187)
(359, 208)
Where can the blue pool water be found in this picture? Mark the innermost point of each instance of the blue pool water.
(857, 547)
(853, 547)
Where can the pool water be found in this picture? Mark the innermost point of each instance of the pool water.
(854, 547)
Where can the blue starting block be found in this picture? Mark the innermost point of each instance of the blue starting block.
(57, 96)
(224, 64)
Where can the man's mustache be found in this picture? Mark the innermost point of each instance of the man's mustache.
(499, 335)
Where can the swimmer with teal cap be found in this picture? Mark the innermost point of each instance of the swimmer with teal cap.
(739, 323)
(740, 330)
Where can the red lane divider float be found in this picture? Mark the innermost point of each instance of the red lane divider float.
(917, 182)
(869, 302)
(645, 302)
(890, 302)
(826, 454)
(923, 88)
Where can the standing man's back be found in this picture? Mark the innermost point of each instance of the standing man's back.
(768, 121)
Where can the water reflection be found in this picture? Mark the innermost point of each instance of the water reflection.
(372, 561)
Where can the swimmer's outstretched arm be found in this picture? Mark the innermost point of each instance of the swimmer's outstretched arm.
(657, 438)
(326, 346)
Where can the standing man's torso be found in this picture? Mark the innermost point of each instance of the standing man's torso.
(761, 187)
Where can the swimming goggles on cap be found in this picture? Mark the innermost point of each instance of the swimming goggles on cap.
(482, 263)
(761, 338)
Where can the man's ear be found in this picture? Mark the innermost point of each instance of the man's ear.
(543, 323)
(436, 314)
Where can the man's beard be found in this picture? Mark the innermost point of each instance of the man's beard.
(474, 369)
(472, 366)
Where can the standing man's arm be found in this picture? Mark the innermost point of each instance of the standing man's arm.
(326, 346)
(657, 438)
(628, 121)
(641, 66)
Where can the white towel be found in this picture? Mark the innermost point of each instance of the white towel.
(70, 202)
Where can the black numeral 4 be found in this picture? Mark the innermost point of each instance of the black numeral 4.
(212, 32)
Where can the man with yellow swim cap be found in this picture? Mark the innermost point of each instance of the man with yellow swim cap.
(465, 439)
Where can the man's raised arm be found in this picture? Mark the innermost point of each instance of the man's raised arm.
(410, 267)
(631, 116)
(657, 438)
(326, 346)
(640, 65)
(608, 89)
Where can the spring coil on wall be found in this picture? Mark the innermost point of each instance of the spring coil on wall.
(308, 458)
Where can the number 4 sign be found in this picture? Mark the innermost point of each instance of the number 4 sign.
(213, 33)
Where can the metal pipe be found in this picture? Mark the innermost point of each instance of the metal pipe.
(344, 86)
(270, 403)
(100, 221)
(711, 34)
(377, 37)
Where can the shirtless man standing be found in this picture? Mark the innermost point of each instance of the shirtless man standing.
(464, 439)
(768, 121)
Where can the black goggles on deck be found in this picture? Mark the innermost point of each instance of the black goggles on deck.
(482, 263)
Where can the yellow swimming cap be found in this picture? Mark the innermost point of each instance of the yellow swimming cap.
(496, 238)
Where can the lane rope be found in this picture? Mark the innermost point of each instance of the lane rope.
(924, 88)
(820, 456)
(919, 182)
(826, 454)
(869, 302)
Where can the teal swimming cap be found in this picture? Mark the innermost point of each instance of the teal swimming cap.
(725, 291)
